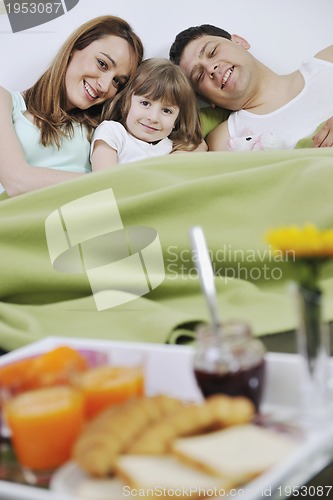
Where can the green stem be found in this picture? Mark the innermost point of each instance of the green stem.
(310, 334)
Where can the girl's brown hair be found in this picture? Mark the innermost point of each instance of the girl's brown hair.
(155, 79)
(46, 99)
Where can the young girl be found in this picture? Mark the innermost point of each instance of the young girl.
(51, 123)
(155, 115)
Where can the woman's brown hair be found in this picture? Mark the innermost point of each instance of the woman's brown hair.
(46, 99)
(155, 79)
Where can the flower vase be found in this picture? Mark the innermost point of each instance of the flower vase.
(313, 346)
(307, 250)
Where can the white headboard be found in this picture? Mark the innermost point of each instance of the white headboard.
(281, 33)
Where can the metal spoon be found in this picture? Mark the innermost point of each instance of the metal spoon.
(206, 276)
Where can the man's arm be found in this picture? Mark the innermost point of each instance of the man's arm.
(324, 137)
(199, 149)
(326, 54)
(217, 139)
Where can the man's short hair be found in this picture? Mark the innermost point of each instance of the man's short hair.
(186, 36)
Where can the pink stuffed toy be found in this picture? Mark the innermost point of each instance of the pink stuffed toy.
(254, 142)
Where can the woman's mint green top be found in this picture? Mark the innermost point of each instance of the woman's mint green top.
(73, 154)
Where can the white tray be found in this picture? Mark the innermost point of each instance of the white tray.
(169, 371)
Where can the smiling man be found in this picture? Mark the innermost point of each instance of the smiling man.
(225, 74)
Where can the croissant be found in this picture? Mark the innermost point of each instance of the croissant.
(149, 425)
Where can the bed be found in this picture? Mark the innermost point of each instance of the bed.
(234, 197)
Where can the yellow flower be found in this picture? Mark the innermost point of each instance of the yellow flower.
(307, 242)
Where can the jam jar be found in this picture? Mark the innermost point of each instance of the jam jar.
(230, 361)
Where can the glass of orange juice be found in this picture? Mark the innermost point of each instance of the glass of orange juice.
(44, 424)
(113, 383)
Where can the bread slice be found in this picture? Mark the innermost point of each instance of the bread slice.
(237, 453)
(99, 489)
(165, 475)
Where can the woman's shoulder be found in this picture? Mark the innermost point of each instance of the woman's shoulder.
(6, 103)
(5, 95)
(13, 99)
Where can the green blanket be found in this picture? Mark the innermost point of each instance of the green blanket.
(236, 198)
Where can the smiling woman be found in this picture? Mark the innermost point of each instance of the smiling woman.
(51, 123)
